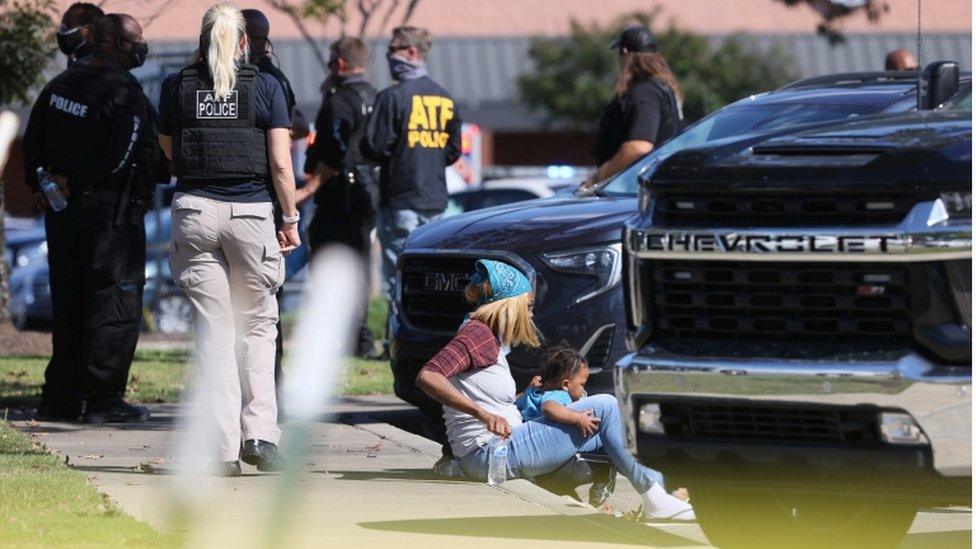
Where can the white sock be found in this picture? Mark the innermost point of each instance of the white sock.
(659, 504)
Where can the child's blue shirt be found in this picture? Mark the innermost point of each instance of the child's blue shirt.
(530, 403)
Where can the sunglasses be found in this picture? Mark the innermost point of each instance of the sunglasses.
(393, 49)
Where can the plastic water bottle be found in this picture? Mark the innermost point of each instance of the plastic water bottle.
(51, 190)
(498, 462)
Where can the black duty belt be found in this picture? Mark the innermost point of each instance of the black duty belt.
(101, 194)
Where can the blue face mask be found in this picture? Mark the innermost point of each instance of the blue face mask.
(401, 69)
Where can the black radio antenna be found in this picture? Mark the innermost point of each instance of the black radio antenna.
(918, 53)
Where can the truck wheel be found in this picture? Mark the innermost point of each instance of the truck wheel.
(733, 519)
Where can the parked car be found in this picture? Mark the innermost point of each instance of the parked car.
(30, 302)
(497, 192)
(570, 246)
(801, 305)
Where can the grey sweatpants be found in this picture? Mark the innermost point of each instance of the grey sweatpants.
(226, 258)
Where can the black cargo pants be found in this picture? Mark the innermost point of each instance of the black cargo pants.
(346, 214)
(97, 273)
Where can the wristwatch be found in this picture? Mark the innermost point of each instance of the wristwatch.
(292, 218)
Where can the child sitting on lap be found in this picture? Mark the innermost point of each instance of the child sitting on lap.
(563, 381)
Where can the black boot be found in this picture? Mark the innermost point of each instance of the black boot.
(47, 411)
(118, 412)
(263, 455)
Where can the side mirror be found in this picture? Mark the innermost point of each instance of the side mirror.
(939, 82)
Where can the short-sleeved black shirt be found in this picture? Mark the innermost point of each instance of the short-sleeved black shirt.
(271, 112)
(265, 65)
(648, 112)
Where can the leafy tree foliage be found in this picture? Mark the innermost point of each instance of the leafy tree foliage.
(831, 11)
(26, 47)
(573, 79)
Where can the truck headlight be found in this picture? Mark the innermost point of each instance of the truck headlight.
(601, 263)
(900, 428)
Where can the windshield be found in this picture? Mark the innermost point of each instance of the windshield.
(962, 101)
(736, 121)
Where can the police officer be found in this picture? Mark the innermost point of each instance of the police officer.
(344, 183)
(414, 133)
(225, 126)
(645, 110)
(75, 33)
(93, 128)
(258, 29)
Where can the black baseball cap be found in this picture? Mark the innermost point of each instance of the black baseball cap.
(636, 39)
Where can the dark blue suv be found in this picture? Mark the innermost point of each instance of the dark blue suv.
(570, 246)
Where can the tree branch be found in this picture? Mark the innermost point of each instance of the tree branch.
(394, 4)
(292, 12)
(156, 14)
(366, 9)
(410, 8)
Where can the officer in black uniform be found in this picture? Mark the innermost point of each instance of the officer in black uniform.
(344, 182)
(95, 130)
(645, 110)
(258, 29)
(75, 33)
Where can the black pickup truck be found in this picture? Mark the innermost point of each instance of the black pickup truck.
(569, 246)
(800, 306)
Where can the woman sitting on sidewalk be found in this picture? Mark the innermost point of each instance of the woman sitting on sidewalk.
(471, 378)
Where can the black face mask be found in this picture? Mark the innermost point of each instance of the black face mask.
(70, 40)
(136, 55)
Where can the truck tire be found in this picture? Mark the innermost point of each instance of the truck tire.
(733, 519)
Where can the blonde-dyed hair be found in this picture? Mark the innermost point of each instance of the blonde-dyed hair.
(223, 28)
(509, 318)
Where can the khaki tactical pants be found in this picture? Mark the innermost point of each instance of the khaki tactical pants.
(226, 258)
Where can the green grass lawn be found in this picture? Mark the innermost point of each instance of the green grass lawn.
(158, 376)
(44, 503)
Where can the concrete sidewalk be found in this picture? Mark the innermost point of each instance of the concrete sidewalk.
(368, 483)
(363, 483)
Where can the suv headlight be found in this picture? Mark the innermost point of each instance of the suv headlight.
(602, 263)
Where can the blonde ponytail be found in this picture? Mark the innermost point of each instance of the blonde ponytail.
(223, 27)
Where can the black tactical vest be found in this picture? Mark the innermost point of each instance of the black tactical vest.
(218, 138)
(77, 125)
(366, 96)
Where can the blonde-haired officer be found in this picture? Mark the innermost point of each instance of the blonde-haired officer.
(225, 126)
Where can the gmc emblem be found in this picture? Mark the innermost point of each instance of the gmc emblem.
(445, 282)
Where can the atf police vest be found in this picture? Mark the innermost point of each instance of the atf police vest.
(218, 138)
(77, 117)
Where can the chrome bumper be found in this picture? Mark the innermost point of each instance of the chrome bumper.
(938, 397)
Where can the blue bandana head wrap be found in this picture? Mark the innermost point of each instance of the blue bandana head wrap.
(506, 281)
